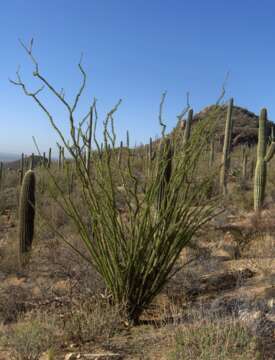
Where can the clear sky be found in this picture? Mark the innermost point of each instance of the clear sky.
(134, 50)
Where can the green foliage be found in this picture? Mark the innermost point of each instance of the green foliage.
(26, 215)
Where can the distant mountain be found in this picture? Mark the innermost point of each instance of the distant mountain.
(6, 157)
(16, 164)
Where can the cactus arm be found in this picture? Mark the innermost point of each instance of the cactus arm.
(270, 152)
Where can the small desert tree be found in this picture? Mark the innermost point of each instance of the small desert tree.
(134, 242)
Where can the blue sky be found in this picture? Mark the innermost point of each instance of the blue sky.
(134, 50)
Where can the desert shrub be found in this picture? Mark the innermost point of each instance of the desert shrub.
(213, 339)
(89, 320)
(12, 302)
(8, 199)
(133, 245)
(29, 338)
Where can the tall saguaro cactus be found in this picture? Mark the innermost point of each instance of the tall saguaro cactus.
(26, 215)
(263, 157)
(226, 148)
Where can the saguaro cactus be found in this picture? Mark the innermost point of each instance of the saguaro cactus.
(226, 148)
(26, 215)
(263, 157)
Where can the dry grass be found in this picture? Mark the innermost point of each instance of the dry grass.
(214, 339)
(29, 338)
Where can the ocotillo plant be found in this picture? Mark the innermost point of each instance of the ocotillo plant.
(263, 157)
(226, 148)
(187, 128)
(135, 254)
(26, 215)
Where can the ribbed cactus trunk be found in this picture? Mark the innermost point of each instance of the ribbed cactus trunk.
(26, 215)
(225, 163)
(165, 157)
(263, 157)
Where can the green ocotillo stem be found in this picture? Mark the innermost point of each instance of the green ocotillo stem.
(89, 149)
(226, 148)
(26, 215)
(187, 128)
(165, 171)
(263, 157)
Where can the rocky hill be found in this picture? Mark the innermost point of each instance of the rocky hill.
(245, 124)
